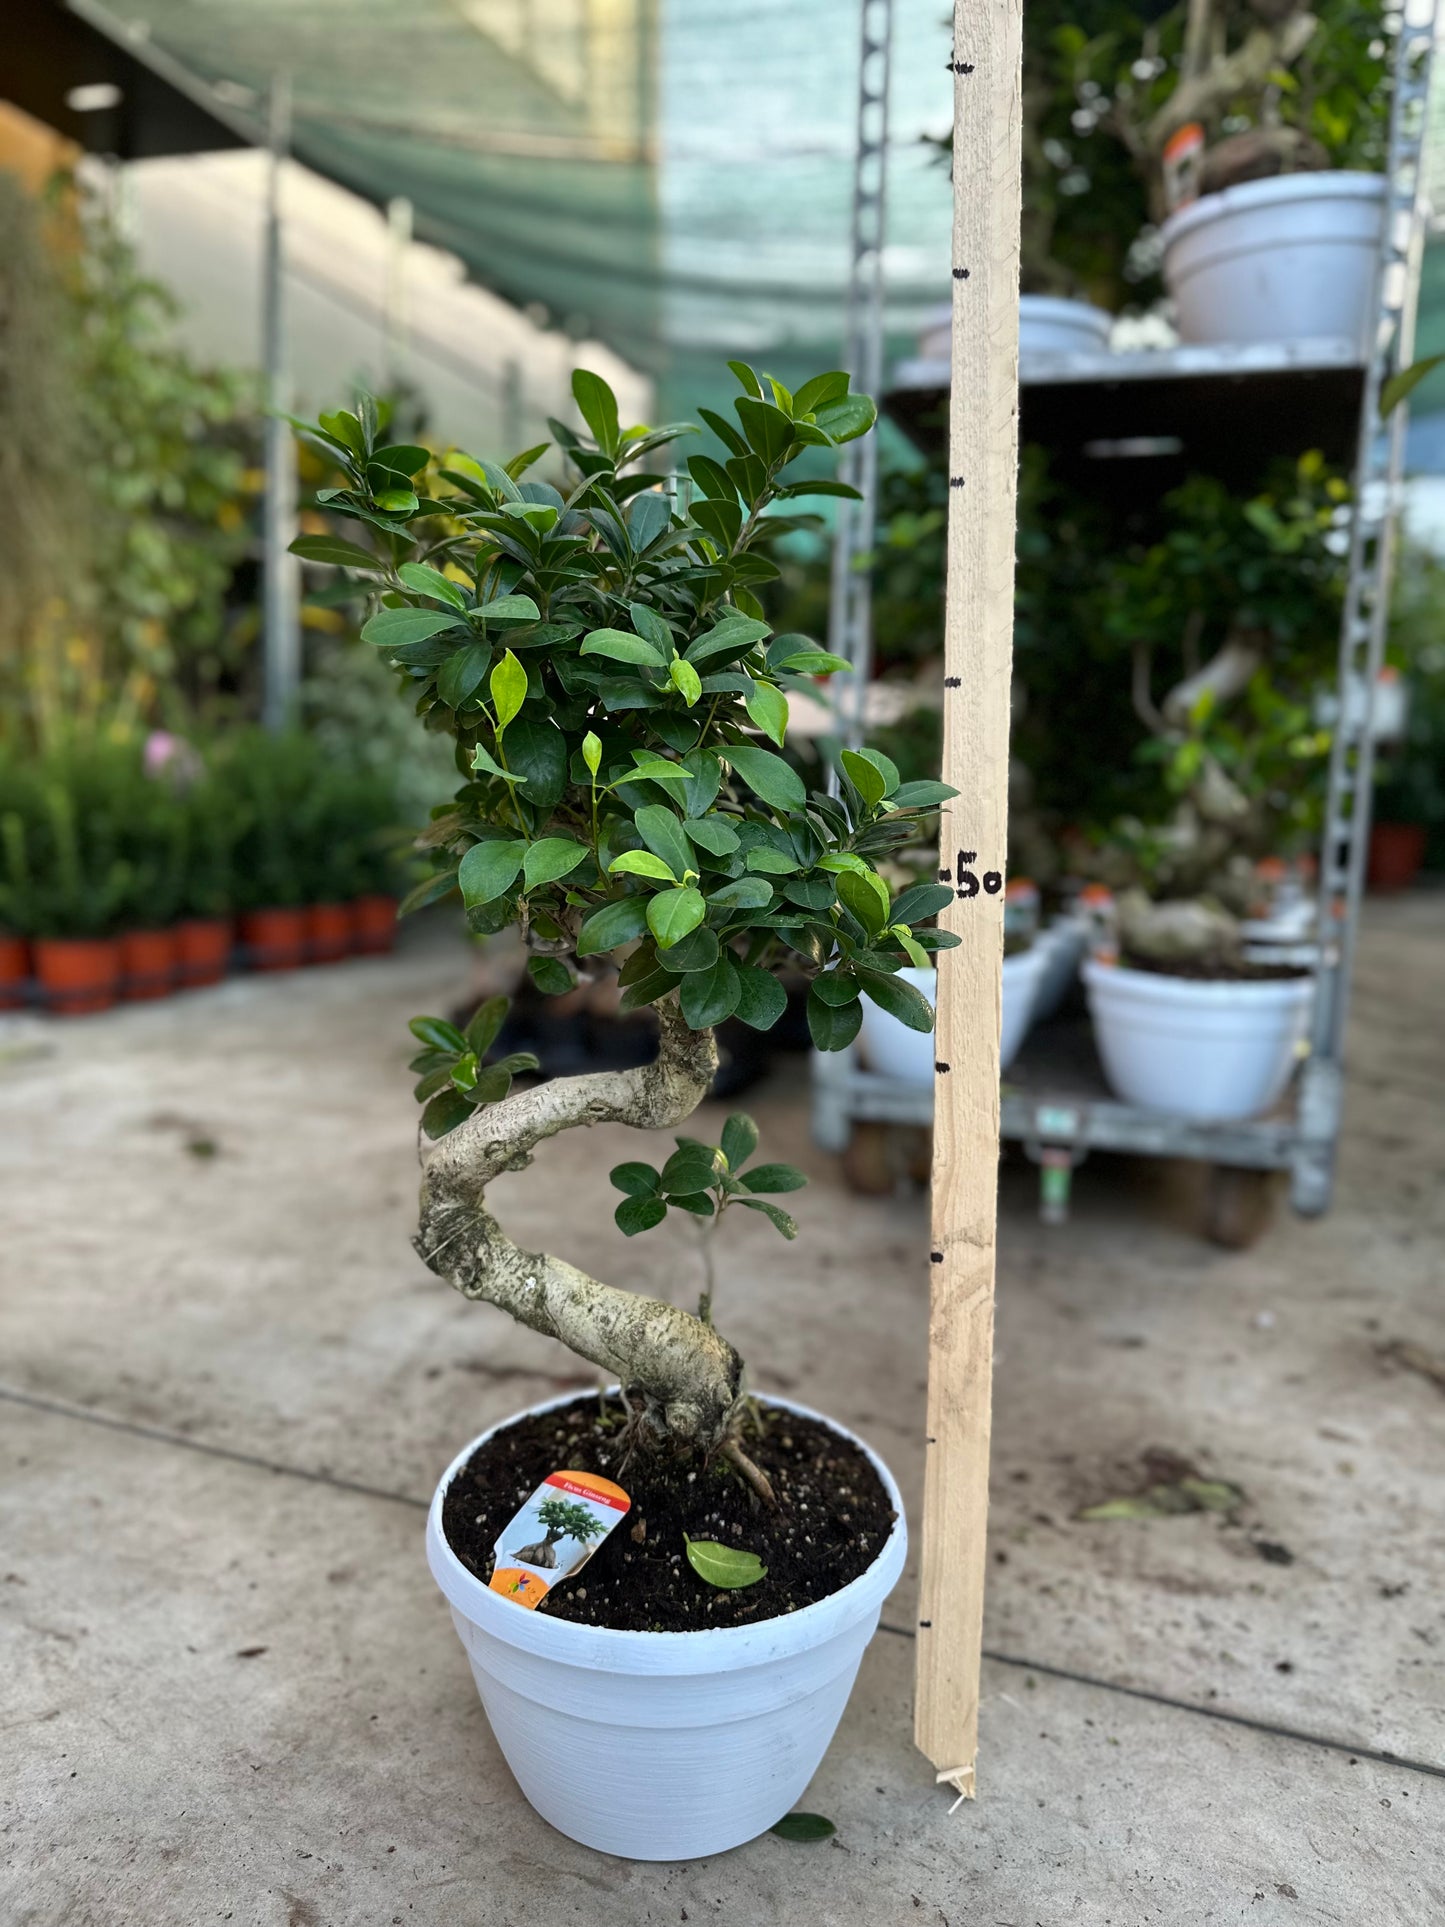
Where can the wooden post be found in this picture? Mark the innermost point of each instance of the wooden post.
(978, 649)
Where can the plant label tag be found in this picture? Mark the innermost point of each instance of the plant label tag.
(555, 1534)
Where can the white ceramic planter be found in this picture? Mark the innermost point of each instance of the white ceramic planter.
(1051, 326)
(1207, 1051)
(1280, 260)
(1064, 943)
(664, 1746)
(908, 1055)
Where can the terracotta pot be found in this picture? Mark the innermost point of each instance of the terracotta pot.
(328, 932)
(78, 975)
(1396, 852)
(373, 923)
(276, 939)
(204, 948)
(14, 970)
(148, 960)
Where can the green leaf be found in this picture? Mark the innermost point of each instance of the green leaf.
(768, 707)
(637, 1180)
(804, 1826)
(790, 491)
(397, 501)
(342, 426)
(898, 998)
(618, 646)
(698, 950)
(423, 580)
(746, 376)
(642, 863)
(865, 776)
(550, 858)
(488, 871)
(550, 975)
(662, 833)
(394, 628)
(775, 781)
(402, 458)
(734, 635)
(775, 1177)
(639, 1214)
(761, 998)
(692, 1167)
(921, 900)
(771, 863)
(486, 1022)
(767, 428)
(686, 680)
(912, 949)
(837, 988)
(331, 548)
(592, 752)
(510, 608)
(709, 996)
(723, 1566)
(724, 430)
(438, 1033)
(537, 750)
(460, 676)
(747, 893)
(819, 389)
(739, 1139)
(429, 890)
(1406, 382)
(833, 1027)
(837, 861)
(654, 769)
(866, 896)
(445, 1112)
(434, 1081)
(598, 406)
(614, 924)
(651, 627)
(787, 1225)
(509, 689)
(921, 795)
(672, 913)
(484, 759)
(711, 833)
(846, 418)
(811, 662)
(519, 464)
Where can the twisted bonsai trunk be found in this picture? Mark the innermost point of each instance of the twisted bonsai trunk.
(687, 1377)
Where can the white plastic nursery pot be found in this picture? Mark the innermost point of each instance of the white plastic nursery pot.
(1286, 259)
(1049, 325)
(892, 1048)
(664, 1746)
(1208, 1051)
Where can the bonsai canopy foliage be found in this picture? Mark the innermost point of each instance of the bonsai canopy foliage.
(619, 706)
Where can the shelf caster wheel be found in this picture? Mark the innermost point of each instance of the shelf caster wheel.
(1239, 1205)
(868, 1160)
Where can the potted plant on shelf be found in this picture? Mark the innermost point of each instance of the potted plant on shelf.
(273, 779)
(618, 705)
(1240, 602)
(1259, 133)
(206, 925)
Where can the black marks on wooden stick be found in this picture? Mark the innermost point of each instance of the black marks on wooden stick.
(935, 1257)
(955, 481)
(942, 1069)
(956, 66)
(960, 274)
(992, 882)
(953, 682)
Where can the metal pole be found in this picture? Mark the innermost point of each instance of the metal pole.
(850, 614)
(399, 227)
(281, 626)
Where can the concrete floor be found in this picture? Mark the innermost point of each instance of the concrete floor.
(227, 1386)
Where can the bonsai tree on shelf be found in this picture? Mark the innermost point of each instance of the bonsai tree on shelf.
(620, 708)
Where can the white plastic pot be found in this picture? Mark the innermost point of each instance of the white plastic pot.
(664, 1746)
(1051, 326)
(1281, 260)
(892, 1048)
(1064, 943)
(1208, 1051)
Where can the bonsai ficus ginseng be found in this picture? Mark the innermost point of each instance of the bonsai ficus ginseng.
(597, 649)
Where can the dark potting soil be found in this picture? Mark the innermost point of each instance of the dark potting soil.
(1216, 973)
(829, 1525)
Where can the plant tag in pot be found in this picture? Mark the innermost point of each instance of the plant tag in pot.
(555, 1534)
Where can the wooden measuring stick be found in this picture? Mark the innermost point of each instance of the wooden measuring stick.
(978, 650)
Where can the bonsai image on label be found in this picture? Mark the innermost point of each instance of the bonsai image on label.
(619, 705)
(563, 1519)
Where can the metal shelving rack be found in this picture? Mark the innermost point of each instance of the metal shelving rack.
(1220, 403)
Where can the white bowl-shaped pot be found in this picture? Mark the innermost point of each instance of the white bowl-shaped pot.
(908, 1055)
(1064, 943)
(1050, 325)
(1280, 260)
(1207, 1051)
(664, 1746)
